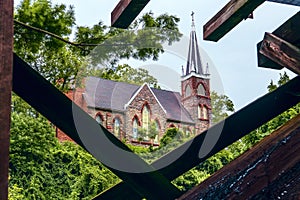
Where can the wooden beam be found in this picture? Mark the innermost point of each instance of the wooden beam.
(6, 62)
(126, 11)
(288, 31)
(228, 17)
(289, 2)
(70, 118)
(260, 168)
(281, 52)
(260, 111)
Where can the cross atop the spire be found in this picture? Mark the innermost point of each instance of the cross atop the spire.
(193, 19)
(194, 63)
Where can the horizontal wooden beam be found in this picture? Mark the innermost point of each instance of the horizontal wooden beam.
(288, 31)
(259, 171)
(260, 111)
(228, 17)
(281, 52)
(70, 118)
(126, 11)
(289, 2)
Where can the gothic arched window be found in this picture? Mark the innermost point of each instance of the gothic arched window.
(205, 112)
(135, 128)
(199, 112)
(99, 119)
(188, 91)
(157, 126)
(146, 118)
(201, 90)
(117, 127)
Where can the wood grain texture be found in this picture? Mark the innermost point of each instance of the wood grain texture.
(228, 17)
(288, 31)
(126, 11)
(260, 172)
(281, 52)
(6, 62)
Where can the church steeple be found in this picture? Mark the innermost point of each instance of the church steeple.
(194, 63)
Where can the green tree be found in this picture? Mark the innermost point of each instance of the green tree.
(221, 107)
(42, 168)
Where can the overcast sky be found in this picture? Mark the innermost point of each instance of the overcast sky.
(234, 56)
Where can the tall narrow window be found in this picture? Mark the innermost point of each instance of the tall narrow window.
(146, 118)
(201, 90)
(199, 112)
(117, 127)
(99, 119)
(205, 112)
(135, 129)
(188, 91)
(157, 126)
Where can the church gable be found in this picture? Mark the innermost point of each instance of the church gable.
(145, 97)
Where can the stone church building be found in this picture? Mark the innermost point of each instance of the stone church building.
(124, 108)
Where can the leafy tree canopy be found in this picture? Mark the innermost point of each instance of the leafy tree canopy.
(221, 107)
(59, 62)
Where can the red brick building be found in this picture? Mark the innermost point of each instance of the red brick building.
(123, 108)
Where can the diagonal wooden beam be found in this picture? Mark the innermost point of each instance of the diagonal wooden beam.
(230, 130)
(72, 120)
(288, 31)
(228, 17)
(260, 171)
(281, 52)
(6, 62)
(289, 2)
(126, 11)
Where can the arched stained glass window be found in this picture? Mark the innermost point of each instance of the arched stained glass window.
(205, 112)
(117, 127)
(201, 90)
(188, 91)
(99, 119)
(146, 118)
(199, 112)
(135, 129)
(157, 126)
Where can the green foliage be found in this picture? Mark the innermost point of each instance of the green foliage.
(127, 74)
(221, 107)
(42, 168)
(171, 135)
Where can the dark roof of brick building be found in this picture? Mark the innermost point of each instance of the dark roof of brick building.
(111, 95)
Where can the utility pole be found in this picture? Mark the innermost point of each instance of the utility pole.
(6, 64)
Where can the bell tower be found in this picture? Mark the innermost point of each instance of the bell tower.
(195, 85)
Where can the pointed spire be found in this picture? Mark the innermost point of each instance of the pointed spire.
(194, 63)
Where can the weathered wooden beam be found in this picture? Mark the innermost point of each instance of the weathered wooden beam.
(281, 52)
(258, 172)
(288, 31)
(228, 17)
(230, 130)
(6, 62)
(126, 11)
(289, 2)
(86, 132)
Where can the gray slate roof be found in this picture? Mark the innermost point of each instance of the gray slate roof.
(111, 95)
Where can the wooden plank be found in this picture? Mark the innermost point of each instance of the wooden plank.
(289, 2)
(6, 62)
(281, 52)
(288, 31)
(260, 168)
(260, 111)
(103, 145)
(126, 11)
(228, 17)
